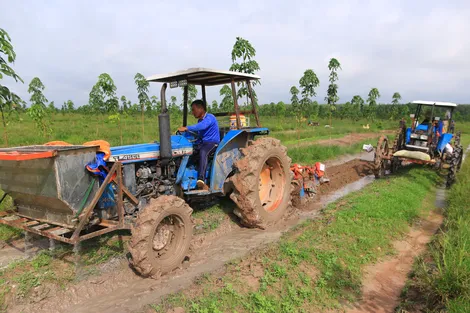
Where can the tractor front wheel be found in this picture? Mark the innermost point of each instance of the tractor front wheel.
(262, 183)
(161, 236)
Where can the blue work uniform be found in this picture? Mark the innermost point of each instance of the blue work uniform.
(208, 130)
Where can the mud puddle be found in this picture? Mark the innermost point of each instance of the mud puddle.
(121, 290)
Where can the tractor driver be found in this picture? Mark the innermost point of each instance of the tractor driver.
(209, 137)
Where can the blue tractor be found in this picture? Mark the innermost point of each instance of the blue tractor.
(148, 188)
(431, 139)
(252, 169)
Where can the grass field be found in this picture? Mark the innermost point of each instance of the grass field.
(318, 264)
(441, 278)
(78, 128)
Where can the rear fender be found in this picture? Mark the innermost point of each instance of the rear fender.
(228, 152)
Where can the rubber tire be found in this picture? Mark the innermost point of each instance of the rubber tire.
(246, 182)
(143, 231)
(379, 162)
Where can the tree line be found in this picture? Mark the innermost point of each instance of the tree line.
(105, 102)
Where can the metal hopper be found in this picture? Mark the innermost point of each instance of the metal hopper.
(48, 182)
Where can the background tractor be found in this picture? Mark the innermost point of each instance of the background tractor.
(431, 139)
(148, 188)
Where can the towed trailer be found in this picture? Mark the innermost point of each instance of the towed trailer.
(55, 196)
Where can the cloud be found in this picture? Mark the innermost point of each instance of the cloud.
(418, 48)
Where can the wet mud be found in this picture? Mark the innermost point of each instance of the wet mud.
(119, 289)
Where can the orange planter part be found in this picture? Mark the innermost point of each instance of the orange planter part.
(104, 146)
(57, 143)
(23, 156)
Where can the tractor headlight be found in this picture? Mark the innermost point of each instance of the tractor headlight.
(414, 136)
(423, 137)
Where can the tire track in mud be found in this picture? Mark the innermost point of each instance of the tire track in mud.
(119, 289)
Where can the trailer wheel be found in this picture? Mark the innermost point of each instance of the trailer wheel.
(262, 183)
(161, 236)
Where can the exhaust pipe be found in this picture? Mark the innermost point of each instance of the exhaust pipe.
(164, 128)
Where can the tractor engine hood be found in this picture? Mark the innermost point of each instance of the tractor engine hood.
(150, 151)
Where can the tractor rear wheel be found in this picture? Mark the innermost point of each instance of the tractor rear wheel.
(161, 236)
(262, 183)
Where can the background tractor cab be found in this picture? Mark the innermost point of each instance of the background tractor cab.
(431, 128)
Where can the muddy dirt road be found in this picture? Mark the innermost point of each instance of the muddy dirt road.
(384, 281)
(118, 289)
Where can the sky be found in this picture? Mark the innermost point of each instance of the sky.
(417, 48)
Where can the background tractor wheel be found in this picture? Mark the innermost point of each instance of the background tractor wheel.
(454, 165)
(161, 236)
(262, 183)
(379, 161)
(400, 136)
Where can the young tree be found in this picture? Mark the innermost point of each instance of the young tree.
(9, 101)
(142, 95)
(156, 105)
(103, 95)
(308, 82)
(51, 107)
(192, 94)
(296, 107)
(372, 103)
(125, 108)
(280, 109)
(243, 54)
(149, 108)
(394, 112)
(38, 109)
(69, 106)
(227, 100)
(357, 107)
(313, 110)
(174, 108)
(395, 98)
(214, 106)
(332, 93)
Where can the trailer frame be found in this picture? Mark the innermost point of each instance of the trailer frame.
(84, 230)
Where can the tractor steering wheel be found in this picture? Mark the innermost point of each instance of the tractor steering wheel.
(194, 134)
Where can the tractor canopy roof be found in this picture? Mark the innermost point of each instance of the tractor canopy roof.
(201, 76)
(435, 103)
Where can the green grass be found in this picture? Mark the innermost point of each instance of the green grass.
(441, 278)
(79, 128)
(209, 219)
(7, 232)
(319, 263)
(319, 153)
